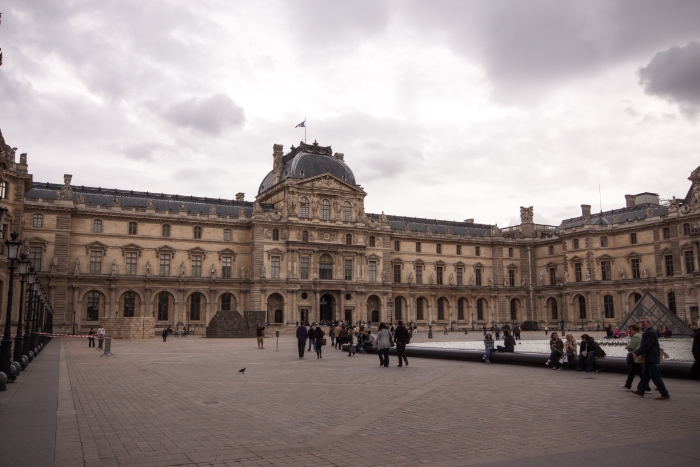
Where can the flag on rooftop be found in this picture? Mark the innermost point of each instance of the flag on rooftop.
(302, 124)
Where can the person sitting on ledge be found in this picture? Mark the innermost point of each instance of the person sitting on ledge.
(556, 346)
(488, 345)
(616, 334)
(667, 332)
(509, 342)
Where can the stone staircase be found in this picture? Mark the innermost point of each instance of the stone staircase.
(235, 324)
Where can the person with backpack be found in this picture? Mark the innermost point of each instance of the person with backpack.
(310, 334)
(402, 337)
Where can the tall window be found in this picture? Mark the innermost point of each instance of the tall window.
(581, 307)
(132, 228)
(633, 238)
(575, 243)
(304, 267)
(477, 251)
(196, 265)
(667, 233)
(304, 207)
(459, 249)
(372, 271)
(3, 189)
(608, 307)
(419, 309)
(634, 262)
(438, 271)
(513, 309)
(477, 274)
(686, 229)
(97, 226)
(166, 230)
(226, 302)
(603, 242)
(397, 274)
(129, 304)
(348, 239)
(95, 262)
(552, 276)
(511, 277)
(275, 267)
(305, 236)
(510, 252)
(398, 312)
(93, 306)
(325, 209)
(551, 249)
(605, 270)
(372, 241)
(35, 257)
(325, 267)
(672, 302)
(397, 245)
(275, 235)
(637, 297)
(689, 262)
(417, 247)
(460, 309)
(279, 316)
(227, 235)
(348, 269)
(419, 275)
(226, 266)
(164, 269)
(131, 263)
(578, 272)
(37, 221)
(163, 304)
(554, 307)
(197, 232)
(195, 306)
(460, 276)
(480, 309)
(438, 248)
(347, 212)
(669, 265)
(441, 309)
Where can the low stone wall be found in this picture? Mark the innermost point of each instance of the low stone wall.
(129, 328)
(235, 324)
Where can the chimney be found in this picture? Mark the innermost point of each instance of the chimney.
(240, 196)
(586, 210)
(630, 199)
(469, 221)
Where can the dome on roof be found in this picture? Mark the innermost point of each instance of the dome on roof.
(310, 160)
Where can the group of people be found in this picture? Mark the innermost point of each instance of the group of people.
(100, 337)
(496, 330)
(508, 344)
(315, 338)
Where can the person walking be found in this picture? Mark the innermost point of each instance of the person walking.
(516, 332)
(402, 337)
(310, 335)
(497, 331)
(100, 337)
(383, 344)
(318, 341)
(302, 335)
(164, 334)
(508, 343)
(635, 368)
(484, 328)
(259, 333)
(649, 349)
(444, 333)
(331, 334)
(556, 346)
(338, 331)
(546, 330)
(694, 372)
(91, 338)
(488, 348)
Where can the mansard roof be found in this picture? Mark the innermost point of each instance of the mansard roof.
(629, 214)
(416, 224)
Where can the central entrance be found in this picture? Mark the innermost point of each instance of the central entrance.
(327, 311)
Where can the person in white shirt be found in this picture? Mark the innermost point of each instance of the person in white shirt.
(100, 337)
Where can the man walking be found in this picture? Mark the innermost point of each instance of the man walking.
(310, 335)
(516, 332)
(649, 349)
(695, 369)
(100, 337)
(302, 334)
(259, 333)
(336, 331)
(402, 337)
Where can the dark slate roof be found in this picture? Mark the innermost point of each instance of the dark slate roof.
(138, 199)
(416, 224)
(633, 213)
(310, 160)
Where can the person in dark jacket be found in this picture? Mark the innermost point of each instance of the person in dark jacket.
(318, 341)
(695, 369)
(556, 346)
(509, 342)
(649, 349)
(311, 337)
(401, 337)
(165, 335)
(589, 350)
(342, 337)
(302, 335)
(516, 332)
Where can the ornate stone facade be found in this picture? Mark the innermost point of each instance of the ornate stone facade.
(306, 250)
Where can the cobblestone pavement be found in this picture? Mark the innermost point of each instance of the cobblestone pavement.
(183, 403)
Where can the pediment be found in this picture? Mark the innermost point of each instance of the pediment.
(328, 182)
(95, 246)
(165, 249)
(551, 265)
(604, 257)
(419, 262)
(478, 265)
(373, 257)
(196, 251)
(227, 252)
(132, 247)
(37, 241)
(576, 259)
(666, 251)
(687, 246)
(459, 264)
(276, 252)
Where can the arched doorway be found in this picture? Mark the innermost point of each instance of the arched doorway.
(327, 311)
(275, 308)
(373, 304)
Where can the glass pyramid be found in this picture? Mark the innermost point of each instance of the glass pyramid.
(649, 306)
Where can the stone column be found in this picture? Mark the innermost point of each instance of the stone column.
(112, 307)
(317, 311)
(341, 311)
(78, 312)
(211, 307)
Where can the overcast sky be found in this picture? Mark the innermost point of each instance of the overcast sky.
(444, 109)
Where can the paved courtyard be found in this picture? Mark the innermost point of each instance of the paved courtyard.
(183, 403)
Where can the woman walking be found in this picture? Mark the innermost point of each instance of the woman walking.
(488, 346)
(635, 368)
(318, 341)
(383, 345)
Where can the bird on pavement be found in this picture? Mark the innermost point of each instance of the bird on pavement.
(242, 370)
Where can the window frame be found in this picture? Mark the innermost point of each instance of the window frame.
(668, 263)
(197, 232)
(666, 233)
(133, 228)
(348, 239)
(304, 207)
(438, 248)
(131, 263)
(372, 271)
(419, 274)
(304, 267)
(458, 249)
(95, 261)
(325, 268)
(165, 230)
(37, 221)
(129, 304)
(227, 235)
(372, 241)
(603, 241)
(347, 269)
(97, 225)
(226, 267)
(606, 270)
(634, 265)
(397, 273)
(275, 267)
(397, 245)
(347, 211)
(689, 259)
(418, 247)
(325, 209)
(93, 310)
(195, 307)
(164, 264)
(439, 273)
(633, 238)
(275, 235)
(477, 251)
(609, 306)
(196, 265)
(163, 306)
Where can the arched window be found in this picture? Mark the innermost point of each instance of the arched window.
(163, 305)
(372, 241)
(197, 232)
(581, 307)
(325, 209)
(325, 267)
(305, 236)
(419, 309)
(166, 230)
(348, 239)
(275, 235)
(93, 306)
(461, 305)
(441, 309)
(375, 316)
(513, 309)
(37, 221)
(97, 226)
(195, 306)
(279, 317)
(304, 207)
(554, 308)
(608, 307)
(398, 312)
(132, 228)
(226, 302)
(347, 212)
(672, 302)
(480, 309)
(129, 304)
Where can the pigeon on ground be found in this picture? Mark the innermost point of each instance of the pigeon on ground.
(242, 370)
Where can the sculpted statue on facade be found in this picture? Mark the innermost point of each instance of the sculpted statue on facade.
(116, 201)
(76, 269)
(566, 276)
(526, 214)
(182, 270)
(471, 280)
(383, 276)
(432, 278)
(212, 210)
(54, 265)
(490, 281)
(410, 277)
(66, 192)
(241, 213)
(148, 268)
(646, 272)
(262, 270)
(588, 274)
(114, 267)
(541, 279)
(81, 198)
(382, 218)
(182, 207)
(242, 273)
(505, 282)
(622, 273)
(150, 205)
(452, 279)
(314, 206)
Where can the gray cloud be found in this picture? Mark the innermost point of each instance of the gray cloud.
(674, 75)
(211, 114)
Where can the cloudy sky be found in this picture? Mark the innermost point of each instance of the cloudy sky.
(444, 109)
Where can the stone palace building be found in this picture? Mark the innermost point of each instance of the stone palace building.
(306, 250)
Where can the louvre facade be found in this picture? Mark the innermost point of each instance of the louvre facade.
(306, 250)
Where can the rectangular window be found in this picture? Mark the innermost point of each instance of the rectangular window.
(97, 226)
(478, 276)
(304, 267)
(419, 309)
(575, 243)
(667, 233)
(397, 274)
(226, 266)
(196, 266)
(34, 256)
(95, 262)
(438, 248)
(372, 241)
(166, 230)
(633, 238)
(459, 249)
(551, 250)
(477, 251)
(510, 252)
(131, 263)
(419, 275)
(635, 268)
(372, 271)
(397, 245)
(348, 269)
(37, 221)
(438, 271)
(164, 265)
(132, 228)
(129, 305)
(552, 276)
(578, 272)
(689, 262)
(669, 265)
(605, 270)
(275, 267)
(511, 277)
(608, 307)
(417, 247)
(460, 276)
(227, 235)
(163, 301)
(603, 242)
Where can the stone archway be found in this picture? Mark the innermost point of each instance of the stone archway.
(327, 308)
(275, 308)
(373, 305)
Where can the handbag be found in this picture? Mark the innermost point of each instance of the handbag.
(639, 359)
(323, 341)
(584, 353)
(391, 341)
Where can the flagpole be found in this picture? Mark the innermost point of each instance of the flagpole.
(304, 129)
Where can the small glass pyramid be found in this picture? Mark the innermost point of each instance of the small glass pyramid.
(649, 306)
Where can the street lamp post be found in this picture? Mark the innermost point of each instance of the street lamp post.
(23, 266)
(31, 278)
(6, 345)
(493, 324)
(472, 321)
(35, 316)
(74, 322)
